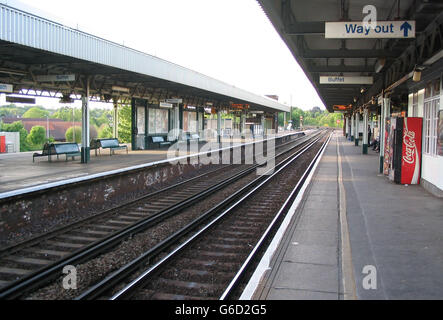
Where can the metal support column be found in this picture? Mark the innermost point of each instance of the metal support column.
(385, 112)
(357, 129)
(352, 126)
(365, 132)
(218, 126)
(85, 150)
(263, 125)
(116, 118)
(242, 124)
(284, 121)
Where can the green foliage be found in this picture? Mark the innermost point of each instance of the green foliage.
(37, 136)
(18, 127)
(124, 126)
(77, 131)
(314, 117)
(105, 131)
(36, 112)
(74, 133)
(13, 111)
(99, 117)
(66, 114)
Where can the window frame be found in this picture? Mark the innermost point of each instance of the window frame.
(431, 107)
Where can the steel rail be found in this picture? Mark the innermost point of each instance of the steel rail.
(47, 273)
(120, 274)
(227, 294)
(98, 289)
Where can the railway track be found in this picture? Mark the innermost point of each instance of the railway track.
(33, 263)
(208, 258)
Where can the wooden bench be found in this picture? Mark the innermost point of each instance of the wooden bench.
(110, 143)
(71, 150)
(160, 141)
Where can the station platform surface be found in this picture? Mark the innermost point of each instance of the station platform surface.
(17, 171)
(390, 246)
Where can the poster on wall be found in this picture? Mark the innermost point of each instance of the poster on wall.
(440, 134)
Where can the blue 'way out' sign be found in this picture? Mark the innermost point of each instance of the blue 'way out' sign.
(358, 30)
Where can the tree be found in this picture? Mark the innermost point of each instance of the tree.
(37, 136)
(65, 114)
(36, 112)
(18, 127)
(69, 135)
(77, 131)
(125, 124)
(105, 131)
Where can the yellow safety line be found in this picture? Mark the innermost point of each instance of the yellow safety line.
(346, 258)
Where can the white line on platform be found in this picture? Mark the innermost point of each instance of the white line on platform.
(117, 171)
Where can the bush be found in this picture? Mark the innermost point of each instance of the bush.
(70, 134)
(37, 136)
(105, 132)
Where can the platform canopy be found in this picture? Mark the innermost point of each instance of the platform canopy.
(42, 57)
(347, 66)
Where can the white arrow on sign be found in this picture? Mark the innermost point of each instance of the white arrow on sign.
(357, 30)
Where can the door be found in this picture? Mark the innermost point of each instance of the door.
(139, 124)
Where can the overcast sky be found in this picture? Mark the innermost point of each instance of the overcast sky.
(229, 40)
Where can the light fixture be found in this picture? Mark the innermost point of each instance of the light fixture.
(362, 90)
(380, 64)
(355, 99)
(416, 75)
(66, 98)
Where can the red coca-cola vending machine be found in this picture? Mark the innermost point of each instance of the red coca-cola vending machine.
(404, 150)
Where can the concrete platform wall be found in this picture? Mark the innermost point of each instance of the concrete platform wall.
(89, 196)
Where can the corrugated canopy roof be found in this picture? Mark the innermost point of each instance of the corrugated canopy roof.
(31, 45)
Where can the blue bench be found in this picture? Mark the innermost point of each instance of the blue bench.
(111, 143)
(160, 141)
(188, 137)
(71, 150)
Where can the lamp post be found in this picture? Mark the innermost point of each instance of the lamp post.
(47, 127)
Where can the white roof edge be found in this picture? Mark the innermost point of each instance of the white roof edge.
(61, 39)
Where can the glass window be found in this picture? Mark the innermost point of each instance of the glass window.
(158, 121)
(415, 105)
(141, 120)
(190, 121)
(431, 109)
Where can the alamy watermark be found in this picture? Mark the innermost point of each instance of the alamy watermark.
(70, 280)
(369, 282)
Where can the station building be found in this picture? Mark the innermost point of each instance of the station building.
(42, 57)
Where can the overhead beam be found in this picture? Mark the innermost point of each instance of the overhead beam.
(339, 86)
(341, 68)
(305, 28)
(346, 53)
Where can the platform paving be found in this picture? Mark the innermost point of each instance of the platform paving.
(17, 171)
(395, 228)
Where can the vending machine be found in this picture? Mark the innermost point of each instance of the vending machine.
(403, 150)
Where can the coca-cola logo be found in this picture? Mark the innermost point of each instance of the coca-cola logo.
(410, 146)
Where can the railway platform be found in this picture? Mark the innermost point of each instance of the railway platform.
(17, 171)
(356, 235)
